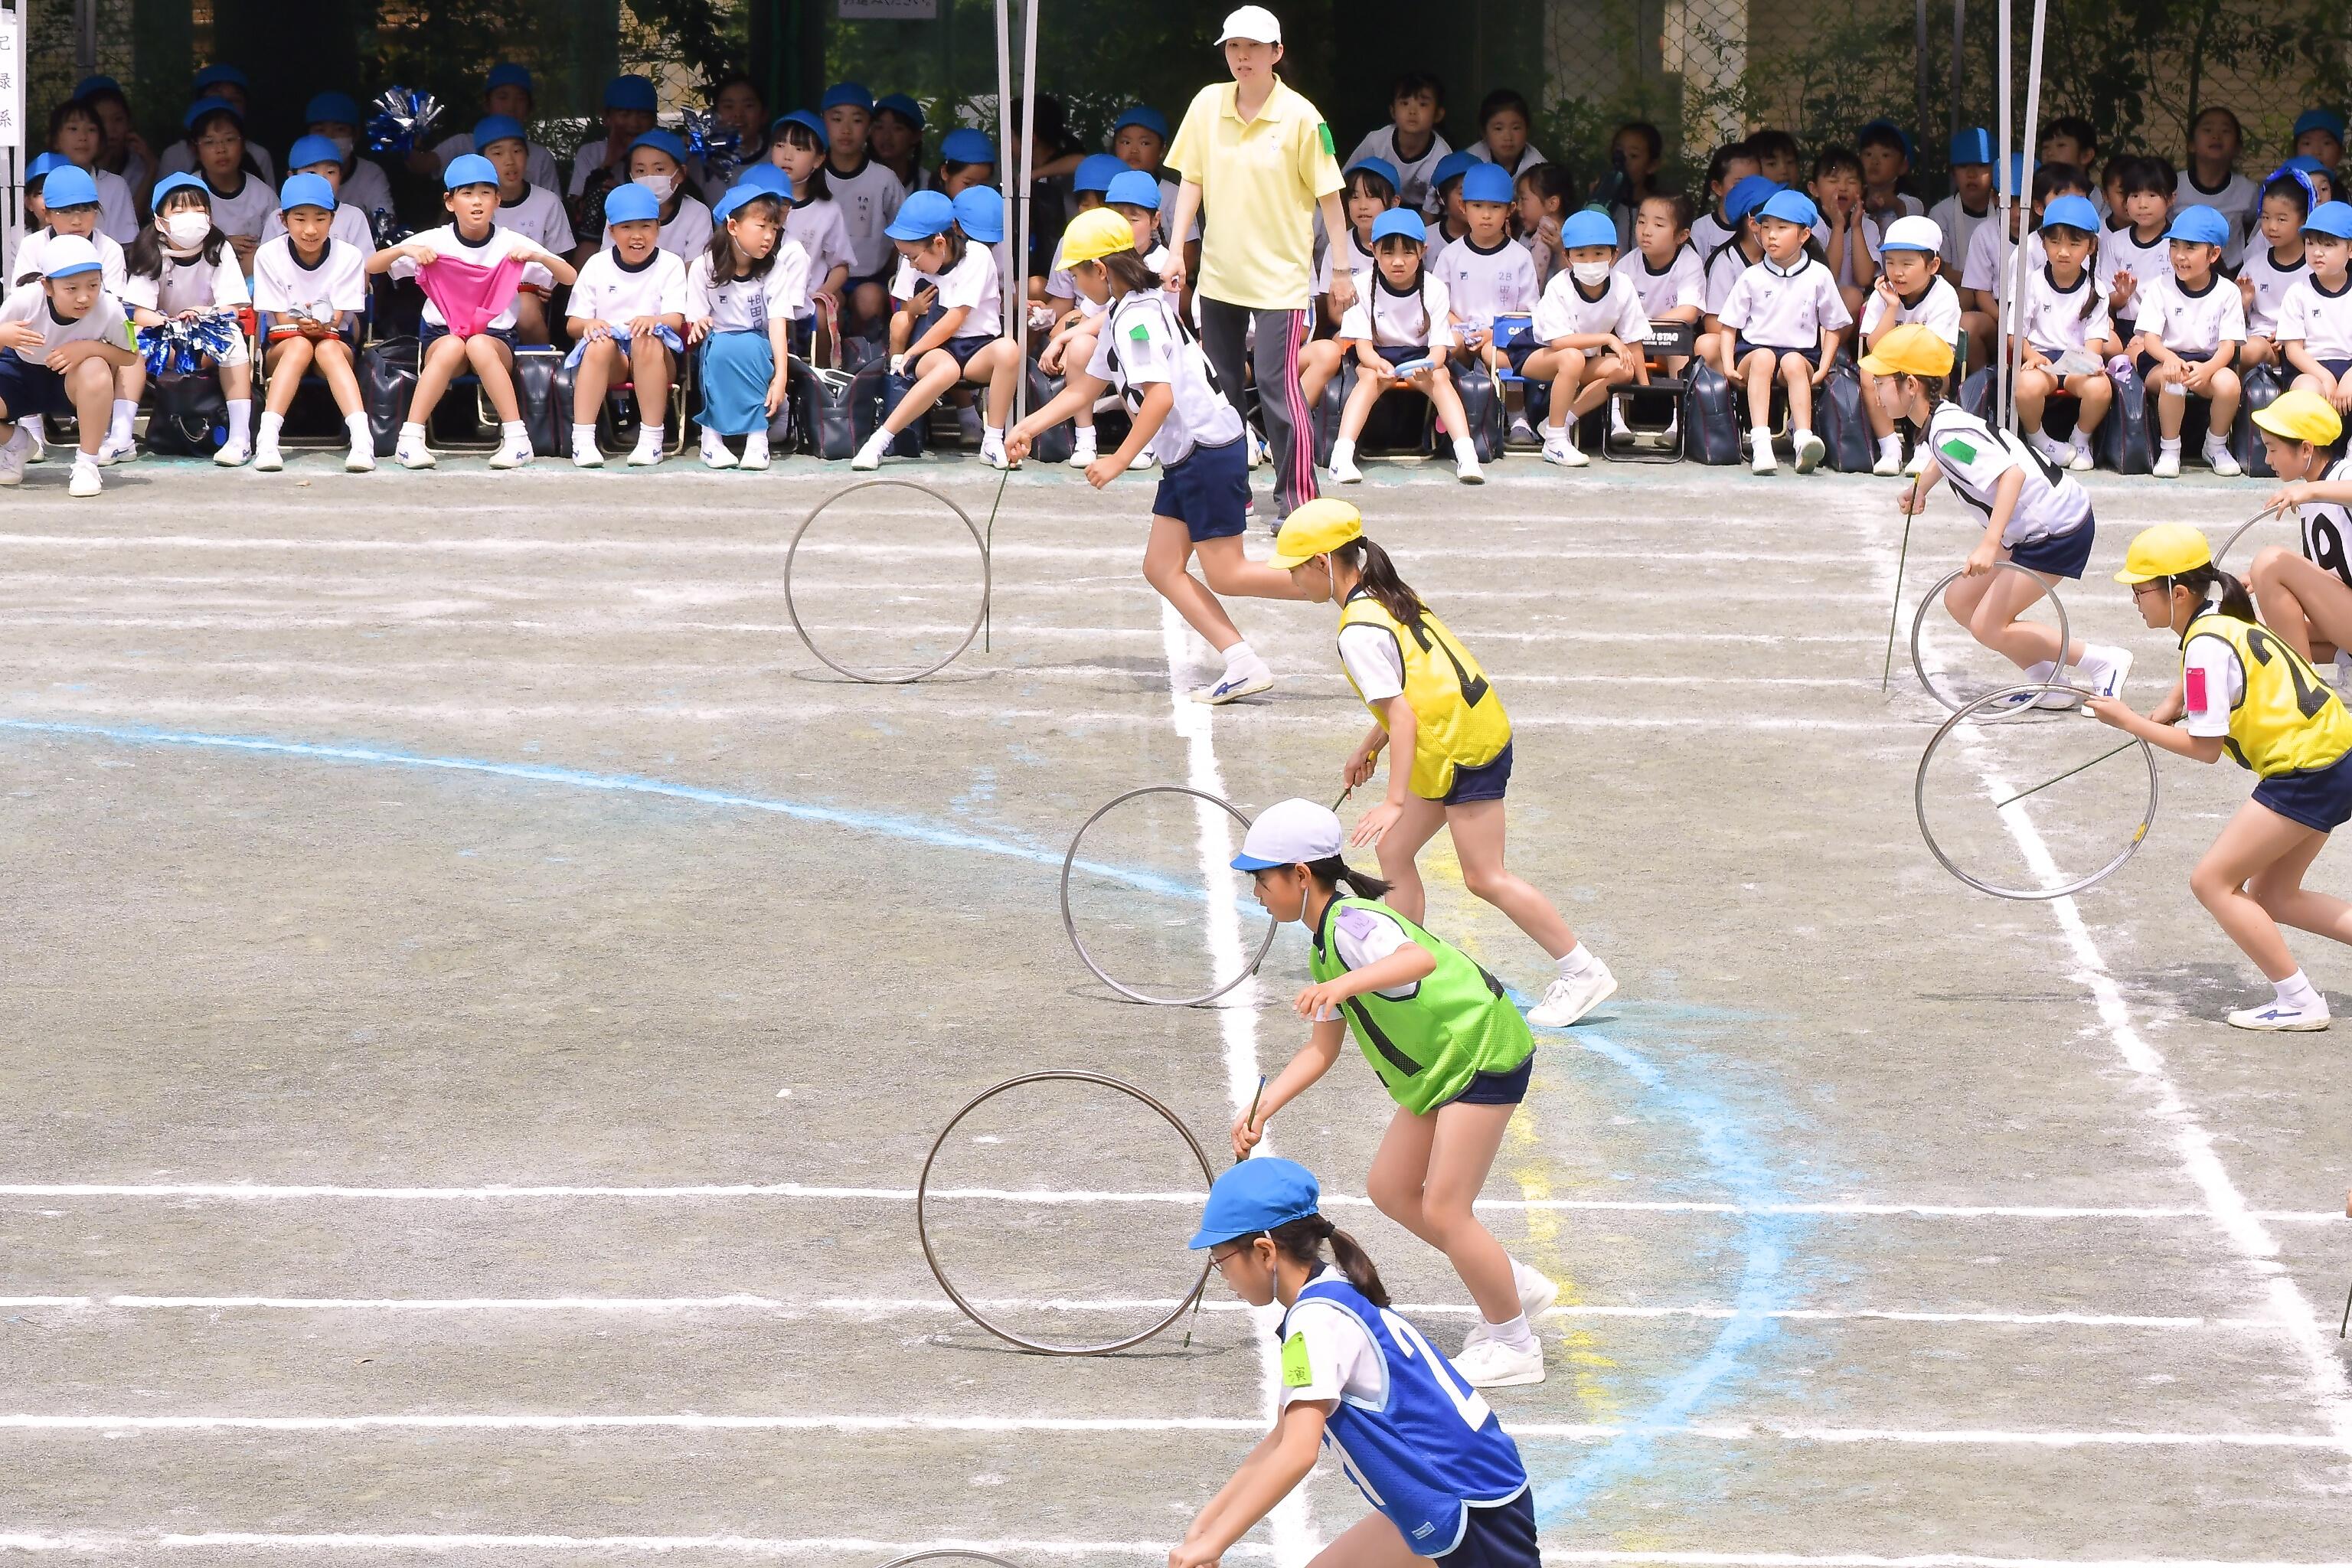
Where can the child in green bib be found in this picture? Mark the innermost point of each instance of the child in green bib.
(1448, 1044)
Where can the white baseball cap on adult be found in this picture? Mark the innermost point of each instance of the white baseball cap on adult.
(1255, 23)
(1290, 832)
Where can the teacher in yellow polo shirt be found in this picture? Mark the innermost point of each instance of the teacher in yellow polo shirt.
(1257, 161)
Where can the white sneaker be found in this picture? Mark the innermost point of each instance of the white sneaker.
(1762, 460)
(2058, 452)
(1490, 1363)
(586, 456)
(991, 452)
(360, 459)
(1345, 472)
(1568, 998)
(267, 459)
(2079, 459)
(870, 456)
(2279, 1016)
(1810, 451)
(1889, 466)
(2221, 459)
(1521, 433)
(414, 455)
(85, 481)
(1084, 453)
(1537, 1295)
(36, 450)
(2119, 663)
(2166, 465)
(513, 453)
(12, 457)
(1617, 426)
(755, 457)
(646, 452)
(1256, 449)
(1143, 459)
(233, 455)
(1247, 683)
(1566, 453)
(715, 452)
(1918, 463)
(1466, 468)
(111, 451)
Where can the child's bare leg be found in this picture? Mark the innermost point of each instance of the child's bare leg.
(1881, 423)
(1798, 372)
(2170, 410)
(2094, 395)
(937, 373)
(432, 372)
(494, 363)
(998, 366)
(288, 359)
(331, 358)
(90, 384)
(1595, 390)
(1757, 370)
(1367, 392)
(2032, 395)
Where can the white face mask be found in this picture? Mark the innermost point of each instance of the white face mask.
(1590, 272)
(661, 185)
(343, 147)
(188, 230)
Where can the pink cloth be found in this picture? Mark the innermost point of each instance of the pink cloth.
(469, 298)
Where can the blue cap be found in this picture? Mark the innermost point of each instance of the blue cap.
(966, 145)
(310, 149)
(1097, 171)
(662, 140)
(1454, 165)
(1590, 226)
(1133, 188)
(46, 163)
(2333, 219)
(1748, 193)
(2301, 163)
(181, 182)
(468, 169)
(2325, 119)
(492, 128)
(1973, 145)
(847, 95)
(980, 213)
(767, 179)
(1256, 1195)
(2071, 212)
(96, 84)
(1487, 183)
(1400, 223)
(737, 196)
(204, 106)
(1142, 114)
(69, 185)
(805, 118)
(332, 109)
(1792, 206)
(631, 203)
(306, 191)
(1910, 148)
(506, 73)
(213, 76)
(1380, 166)
(632, 92)
(2201, 226)
(904, 107)
(923, 215)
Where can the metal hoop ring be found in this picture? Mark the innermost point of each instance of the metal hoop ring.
(1919, 622)
(2024, 895)
(923, 1234)
(2239, 532)
(949, 1554)
(868, 677)
(1070, 924)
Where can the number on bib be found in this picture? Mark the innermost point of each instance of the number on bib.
(1468, 1401)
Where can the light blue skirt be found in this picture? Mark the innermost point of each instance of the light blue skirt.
(736, 370)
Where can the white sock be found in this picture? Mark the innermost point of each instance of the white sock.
(2080, 440)
(756, 444)
(2098, 659)
(1575, 961)
(118, 428)
(1085, 438)
(240, 420)
(2169, 448)
(270, 425)
(647, 435)
(1342, 451)
(2298, 992)
(583, 438)
(84, 459)
(411, 435)
(1891, 448)
(1555, 435)
(1513, 1335)
(362, 435)
(2040, 671)
(992, 435)
(1239, 656)
(1763, 435)
(1798, 432)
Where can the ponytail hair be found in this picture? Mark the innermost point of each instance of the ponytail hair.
(1377, 575)
(1332, 871)
(1131, 271)
(1933, 388)
(1301, 1240)
(2212, 584)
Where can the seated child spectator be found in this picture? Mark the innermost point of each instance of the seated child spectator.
(506, 95)
(470, 269)
(1546, 194)
(2069, 138)
(126, 152)
(964, 341)
(1587, 334)
(1970, 203)
(1910, 289)
(1666, 272)
(2273, 261)
(183, 265)
(2139, 253)
(1504, 122)
(1488, 277)
(2209, 177)
(625, 316)
(241, 197)
(2319, 134)
(869, 195)
(1401, 332)
(1410, 142)
(658, 166)
(1138, 138)
(1369, 191)
(60, 345)
(1994, 257)
(1135, 196)
(2188, 330)
(71, 209)
(1777, 158)
(737, 105)
(630, 107)
(895, 139)
(532, 210)
(1087, 185)
(742, 297)
(814, 221)
(224, 84)
(1726, 167)
(1446, 193)
(1885, 148)
(967, 158)
(1849, 240)
(1636, 152)
(316, 155)
(2314, 321)
(360, 182)
(1728, 262)
(310, 288)
(2068, 336)
(77, 135)
(2322, 179)
(1784, 315)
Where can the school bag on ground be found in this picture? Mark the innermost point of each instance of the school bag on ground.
(1711, 419)
(2126, 439)
(190, 418)
(1482, 402)
(2260, 389)
(822, 410)
(543, 392)
(874, 393)
(1843, 423)
(387, 386)
(1055, 444)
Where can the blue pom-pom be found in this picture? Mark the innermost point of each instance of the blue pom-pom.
(403, 120)
(181, 347)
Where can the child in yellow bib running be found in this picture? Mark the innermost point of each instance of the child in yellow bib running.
(1449, 740)
(2243, 690)
(1453, 1051)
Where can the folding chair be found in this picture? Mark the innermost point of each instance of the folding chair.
(1667, 340)
(1507, 331)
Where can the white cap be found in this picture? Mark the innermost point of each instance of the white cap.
(1913, 233)
(1290, 832)
(67, 254)
(1254, 23)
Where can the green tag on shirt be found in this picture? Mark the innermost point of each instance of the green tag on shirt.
(1324, 131)
(1959, 451)
(1296, 1373)
(1139, 332)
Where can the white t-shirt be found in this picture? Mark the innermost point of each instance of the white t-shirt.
(179, 158)
(366, 187)
(1167, 189)
(281, 283)
(1684, 281)
(2322, 320)
(2212, 684)
(1362, 937)
(870, 197)
(28, 261)
(194, 284)
(1060, 285)
(104, 323)
(118, 215)
(688, 234)
(1485, 284)
(818, 226)
(1567, 310)
(973, 284)
(1845, 271)
(245, 211)
(1359, 261)
(1401, 319)
(1960, 226)
(349, 224)
(1724, 269)
(1938, 309)
(1989, 257)
(499, 244)
(539, 216)
(1973, 458)
(585, 164)
(749, 304)
(610, 291)
(1777, 309)
(2150, 264)
(2192, 325)
(1707, 232)
(539, 165)
(2327, 530)
(2055, 323)
(1342, 1361)
(1413, 190)
(1528, 157)
(2269, 282)
(1144, 343)
(2239, 199)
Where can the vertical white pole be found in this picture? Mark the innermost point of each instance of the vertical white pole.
(2004, 295)
(2032, 137)
(13, 24)
(1021, 235)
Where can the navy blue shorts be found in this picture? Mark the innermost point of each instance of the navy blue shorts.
(2336, 367)
(2317, 797)
(880, 280)
(964, 348)
(1498, 1087)
(1486, 783)
(1408, 354)
(1741, 348)
(29, 389)
(2061, 555)
(429, 333)
(2148, 362)
(1519, 352)
(1208, 491)
(1501, 1535)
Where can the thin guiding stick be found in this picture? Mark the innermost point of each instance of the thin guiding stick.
(2069, 774)
(987, 552)
(1910, 510)
(1250, 1122)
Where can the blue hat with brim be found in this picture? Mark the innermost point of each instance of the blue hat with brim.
(1792, 206)
(506, 73)
(631, 203)
(1487, 183)
(1380, 166)
(1973, 145)
(847, 95)
(2333, 219)
(2301, 163)
(737, 197)
(767, 179)
(309, 150)
(1910, 148)
(169, 183)
(492, 128)
(1096, 170)
(2198, 226)
(1400, 223)
(925, 214)
(306, 191)
(468, 169)
(214, 75)
(632, 92)
(1144, 115)
(1452, 166)
(664, 141)
(203, 105)
(1133, 188)
(46, 163)
(1588, 228)
(90, 85)
(2071, 212)
(332, 109)
(1254, 1197)
(904, 107)
(980, 213)
(2325, 119)
(966, 145)
(1748, 193)
(805, 118)
(69, 185)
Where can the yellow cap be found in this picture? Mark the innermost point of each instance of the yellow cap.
(1316, 529)
(1095, 234)
(2165, 551)
(1910, 350)
(2302, 414)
